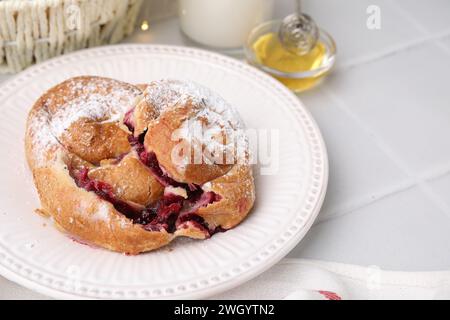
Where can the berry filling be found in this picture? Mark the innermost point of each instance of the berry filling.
(171, 212)
(105, 191)
(128, 120)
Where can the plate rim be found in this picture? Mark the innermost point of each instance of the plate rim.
(211, 289)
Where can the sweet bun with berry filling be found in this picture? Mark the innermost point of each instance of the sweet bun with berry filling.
(197, 139)
(110, 164)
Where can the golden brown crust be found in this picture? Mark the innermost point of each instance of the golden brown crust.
(130, 179)
(143, 114)
(238, 195)
(94, 142)
(184, 130)
(161, 140)
(88, 218)
(77, 114)
(76, 125)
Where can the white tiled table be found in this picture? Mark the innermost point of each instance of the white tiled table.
(385, 116)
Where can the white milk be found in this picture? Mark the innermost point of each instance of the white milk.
(222, 23)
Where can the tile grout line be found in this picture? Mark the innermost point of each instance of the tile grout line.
(356, 205)
(369, 58)
(435, 174)
(436, 38)
(409, 184)
(416, 181)
(378, 141)
(426, 37)
(403, 12)
(443, 46)
(421, 181)
(393, 50)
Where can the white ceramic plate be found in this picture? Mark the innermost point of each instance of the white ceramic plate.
(34, 254)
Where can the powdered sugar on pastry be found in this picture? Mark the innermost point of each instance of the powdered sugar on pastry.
(95, 99)
(163, 94)
(41, 135)
(91, 103)
(215, 127)
(102, 212)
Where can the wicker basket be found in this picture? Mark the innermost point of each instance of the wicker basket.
(34, 30)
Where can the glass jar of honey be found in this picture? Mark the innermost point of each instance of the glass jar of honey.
(264, 50)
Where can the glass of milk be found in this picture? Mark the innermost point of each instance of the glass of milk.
(222, 24)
